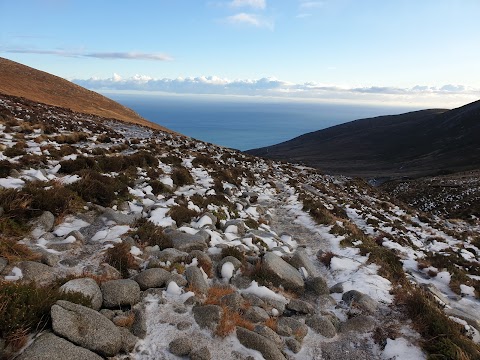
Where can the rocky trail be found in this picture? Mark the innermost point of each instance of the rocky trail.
(121, 242)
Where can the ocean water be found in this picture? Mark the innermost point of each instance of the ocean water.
(242, 123)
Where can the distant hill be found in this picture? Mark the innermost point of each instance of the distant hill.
(23, 81)
(413, 144)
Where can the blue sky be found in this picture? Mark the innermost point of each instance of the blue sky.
(397, 51)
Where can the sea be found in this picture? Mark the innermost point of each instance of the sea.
(245, 123)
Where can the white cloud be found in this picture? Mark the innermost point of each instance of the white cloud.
(98, 55)
(311, 4)
(256, 4)
(440, 96)
(250, 19)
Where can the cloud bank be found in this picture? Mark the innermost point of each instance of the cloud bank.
(256, 4)
(272, 87)
(98, 55)
(249, 19)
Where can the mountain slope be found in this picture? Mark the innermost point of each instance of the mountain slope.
(411, 144)
(23, 81)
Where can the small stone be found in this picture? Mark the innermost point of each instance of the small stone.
(139, 327)
(255, 341)
(128, 340)
(201, 354)
(321, 325)
(36, 272)
(234, 301)
(282, 273)
(118, 293)
(317, 286)
(109, 314)
(184, 325)
(287, 326)
(256, 314)
(180, 309)
(152, 278)
(360, 300)
(192, 300)
(293, 345)
(269, 334)
(361, 324)
(300, 306)
(180, 346)
(207, 316)
(196, 280)
(87, 287)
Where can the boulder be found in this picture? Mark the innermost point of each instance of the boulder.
(196, 280)
(186, 242)
(128, 340)
(255, 341)
(321, 325)
(152, 278)
(171, 255)
(360, 324)
(121, 292)
(287, 326)
(120, 218)
(282, 273)
(269, 334)
(300, 307)
(201, 354)
(86, 327)
(239, 224)
(87, 287)
(38, 273)
(49, 346)
(234, 301)
(361, 301)
(300, 259)
(181, 346)
(139, 326)
(293, 345)
(49, 258)
(44, 223)
(317, 285)
(207, 316)
(256, 314)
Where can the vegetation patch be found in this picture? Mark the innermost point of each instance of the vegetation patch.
(120, 258)
(147, 233)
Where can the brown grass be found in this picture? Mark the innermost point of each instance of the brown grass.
(11, 250)
(125, 321)
(216, 292)
(326, 258)
(230, 320)
(272, 323)
(120, 258)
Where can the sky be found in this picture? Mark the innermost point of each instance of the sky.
(411, 52)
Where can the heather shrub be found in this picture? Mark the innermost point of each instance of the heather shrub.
(181, 176)
(147, 233)
(120, 258)
(181, 214)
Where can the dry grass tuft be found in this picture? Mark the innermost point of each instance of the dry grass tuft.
(120, 258)
(13, 251)
(326, 258)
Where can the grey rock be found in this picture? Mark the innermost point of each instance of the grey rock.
(179, 279)
(237, 264)
(321, 325)
(186, 242)
(211, 216)
(49, 258)
(180, 308)
(196, 280)
(255, 341)
(253, 300)
(300, 259)
(121, 292)
(361, 324)
(300, 306)
(287, 326)
(87, 287)
(277, 304)
(44, 223)
(333, 319)
(152, 278)
(282, 273)
(49, 346)
(3, 263)
(467, 315)
(256, 314)
(184, 325)
(39, 273)
(170, 254)
(207, 316)
(69, 262)
(201, 354)
(120, 218)
(293, 345)
(269, 334)
(346, 349)
(234, 301)
(240, 224)
(361, 301)
(202, 257)
(317, 285)
(325, 301)
(192, 301)
(180, 346)
(128, 340)
(139, 327)
(86, 327)
(337, 288)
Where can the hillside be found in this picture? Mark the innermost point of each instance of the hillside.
(119, 241)
(23, 81)
(412, 144)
